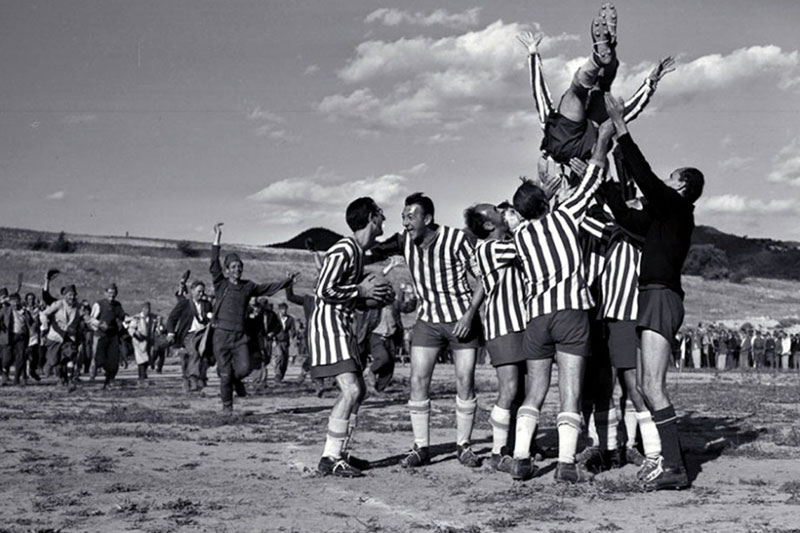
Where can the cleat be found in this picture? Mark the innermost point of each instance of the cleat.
(609, 15)
(416, 457)
(522, 469)
(590, 453)
(501, 462)
(328, 466)
(601, 46)
(572, 473)
(466, 456)
(650, 467)
(633, 456)
(667, 479)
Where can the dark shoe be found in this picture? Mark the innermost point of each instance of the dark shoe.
(601, 41)
(522, 469)
(35, 376)
(501, 461)
(360, 464)
(572, 473)
(609, 15)
(416, 457)
(668, 479)
(633, 457)
(650, 468)
(328, 466)
(591, 458)
(467, 457)
(227, 408)
(612, 459)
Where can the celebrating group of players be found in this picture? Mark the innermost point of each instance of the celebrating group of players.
(575, 270)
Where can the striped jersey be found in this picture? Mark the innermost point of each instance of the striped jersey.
(332, 324)
(439, 273)
(551, 255)
(502, 280)
(613, 260)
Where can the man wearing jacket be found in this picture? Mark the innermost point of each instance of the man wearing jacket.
(186, 325)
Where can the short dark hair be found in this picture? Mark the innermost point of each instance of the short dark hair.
(197, 283)
(425, 203)
(475, 221)
(359, 211)
(29, 294)
(283, 304)
(693, 180)
(530, 200)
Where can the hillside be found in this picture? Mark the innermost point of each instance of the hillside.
(764, 258)
(323, 239)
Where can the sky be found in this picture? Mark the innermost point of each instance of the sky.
(161, 117)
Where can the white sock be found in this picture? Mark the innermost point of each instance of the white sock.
(569, 427)
(500, 420)
(650, 439)
(465, 418)
(421, 421)
(337, 433)
(606, 423)
(527, 420)
(631, 424)
(591, 432)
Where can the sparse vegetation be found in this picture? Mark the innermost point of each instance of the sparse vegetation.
(186, 249)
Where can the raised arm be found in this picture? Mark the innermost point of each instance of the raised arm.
(634, 221)
(215, 268)
(578, 201)
(636, 103)
(292, 297)
(541, 94)
(268, 289)
(383, 250)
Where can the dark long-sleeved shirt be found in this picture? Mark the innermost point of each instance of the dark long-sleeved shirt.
(233, 298)
(667, 222)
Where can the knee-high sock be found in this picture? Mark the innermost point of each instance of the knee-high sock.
(606, 422)
(569, 427)
(630, 424)
(337, 433)
(667, 424)
(651, 441)
(421, 421)
(527, 420)
(465, 419)
(500, 421)
(351, 430)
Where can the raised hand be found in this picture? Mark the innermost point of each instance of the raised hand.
(530, 41)
(664, 67)
(615, 108)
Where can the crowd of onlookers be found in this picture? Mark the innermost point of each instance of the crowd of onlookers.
(724, 348)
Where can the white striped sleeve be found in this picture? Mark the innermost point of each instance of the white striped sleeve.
(330, 285)
(578, 201)
(541, 94)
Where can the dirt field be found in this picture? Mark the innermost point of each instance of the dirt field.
(150, 458)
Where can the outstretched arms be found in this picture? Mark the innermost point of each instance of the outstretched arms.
(541, 94)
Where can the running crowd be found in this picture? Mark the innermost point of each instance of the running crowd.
(581, 268)
(716, 346)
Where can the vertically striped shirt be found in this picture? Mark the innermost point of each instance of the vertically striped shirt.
(439, 273)
(502, 280)
(613, 260)
(331, 328)
(551, 254)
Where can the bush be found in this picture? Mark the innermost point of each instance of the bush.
(62, 245)
(708, 261)
(738, 276)
(39, 244)
(185, 248)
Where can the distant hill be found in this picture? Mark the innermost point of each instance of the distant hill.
(323, 239)
(763, 258)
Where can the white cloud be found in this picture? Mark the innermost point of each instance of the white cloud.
(58, 195)
(786, 168)
(326, 190)
(442, 138)
(311, 69)
(272, 126)
(416, 170)
(439, 17)
(734, 203)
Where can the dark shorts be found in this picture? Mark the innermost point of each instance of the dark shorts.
(660, 310)
(430, 335)
(565, 139)
(565, 331)
(506, 349)
(622, 343)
